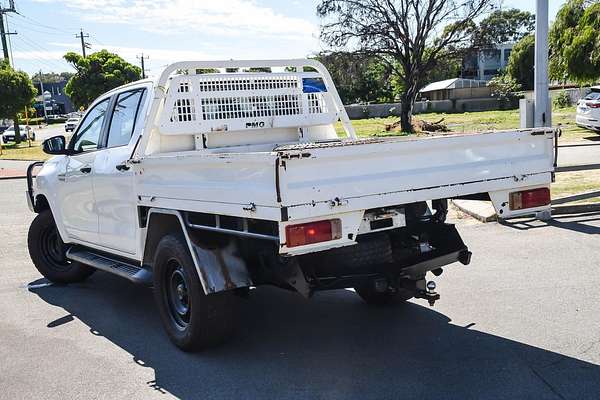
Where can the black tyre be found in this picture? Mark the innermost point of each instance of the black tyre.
(48, 252)
(390, 296)
(192, 319)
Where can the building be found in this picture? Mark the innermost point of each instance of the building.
(58, 103)
(486, 63)
(455, 88)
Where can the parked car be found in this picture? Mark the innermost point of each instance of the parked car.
(9, 134)
(588, 110)
(204, 186)
(71, 124)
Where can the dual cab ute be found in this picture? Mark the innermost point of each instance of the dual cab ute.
(204, 185)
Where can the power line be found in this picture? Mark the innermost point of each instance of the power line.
(17, 23)
(40, 24)
(38, 49)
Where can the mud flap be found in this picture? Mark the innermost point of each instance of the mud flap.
(221, 268)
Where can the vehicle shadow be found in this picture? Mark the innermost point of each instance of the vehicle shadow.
(577, 223)
(332, 346)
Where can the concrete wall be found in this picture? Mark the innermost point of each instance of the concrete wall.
(358, 111)
(574, 93)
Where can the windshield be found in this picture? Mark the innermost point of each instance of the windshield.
(592, 96)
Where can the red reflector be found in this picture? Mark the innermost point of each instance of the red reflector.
(529, 198)
(593, 105)
(313, 232)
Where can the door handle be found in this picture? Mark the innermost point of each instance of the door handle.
(122, 167)
(85, 170)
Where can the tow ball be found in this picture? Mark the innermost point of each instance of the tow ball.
(428, 293)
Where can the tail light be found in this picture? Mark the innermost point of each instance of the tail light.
(593, 105)
(313, 232)
(529, 198)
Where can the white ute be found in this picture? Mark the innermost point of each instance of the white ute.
(204, 185)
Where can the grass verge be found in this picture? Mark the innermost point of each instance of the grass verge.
(478, 122)
(570, 183)
(23, 151)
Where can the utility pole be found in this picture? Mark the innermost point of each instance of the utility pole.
(84, 44)
(3, 33)
(542, 110)
(43, 98)
(142, 58)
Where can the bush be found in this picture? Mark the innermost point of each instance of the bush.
(504, 87)
(562, 100)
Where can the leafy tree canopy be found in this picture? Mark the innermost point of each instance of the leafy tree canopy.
(359, 78)
(96, 74)
(410, 36)
(16, 93)
(575, 43)
(52, 77)
(521, 61)
(503, 26)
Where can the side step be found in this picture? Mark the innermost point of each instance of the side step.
(104, 263)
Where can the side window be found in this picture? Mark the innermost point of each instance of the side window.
(123, 118)
(88, 135)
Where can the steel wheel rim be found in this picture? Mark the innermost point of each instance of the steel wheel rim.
(177, 295)
(53, 249)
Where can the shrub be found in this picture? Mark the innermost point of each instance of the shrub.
(562, 100)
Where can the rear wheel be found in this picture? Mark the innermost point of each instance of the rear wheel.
(192, 319)
(48, 252)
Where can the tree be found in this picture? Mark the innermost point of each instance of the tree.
(96, 74)
(574, 43)
(411, 37)
(359, 79)
(16, 93)
(503, 26)
(521, 61)
(504, 87)
(52, 77)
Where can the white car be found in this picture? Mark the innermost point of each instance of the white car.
(71, 124)
(588, 110)
(206, 185)
(9, 134)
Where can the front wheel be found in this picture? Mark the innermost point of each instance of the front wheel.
(192, 319)
(48, 252)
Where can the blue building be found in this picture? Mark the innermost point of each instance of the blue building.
(59, 103)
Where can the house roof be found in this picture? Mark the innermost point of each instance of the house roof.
(454, 83)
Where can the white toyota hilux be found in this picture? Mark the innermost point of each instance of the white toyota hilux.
(203, 185)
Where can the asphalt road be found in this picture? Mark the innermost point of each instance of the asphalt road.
(521, 322)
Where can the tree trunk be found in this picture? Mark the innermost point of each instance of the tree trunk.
(17, 130)
(406, 110)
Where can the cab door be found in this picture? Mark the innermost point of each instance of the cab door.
(76, 192)
(113, 180)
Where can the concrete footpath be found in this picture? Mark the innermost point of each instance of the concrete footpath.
(11, 169)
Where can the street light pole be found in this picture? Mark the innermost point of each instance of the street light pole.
(543, 110)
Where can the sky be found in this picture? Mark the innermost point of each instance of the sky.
(166, 31)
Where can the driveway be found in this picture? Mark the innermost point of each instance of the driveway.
(520, 322)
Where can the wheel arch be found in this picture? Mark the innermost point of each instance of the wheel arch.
(218, 268)
(41, 203)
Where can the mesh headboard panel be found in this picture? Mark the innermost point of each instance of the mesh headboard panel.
(237, 102)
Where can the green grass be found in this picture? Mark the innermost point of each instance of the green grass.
(570, 183)
(23, 151)
(476, 122)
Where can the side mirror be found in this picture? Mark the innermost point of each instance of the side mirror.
(55, 145)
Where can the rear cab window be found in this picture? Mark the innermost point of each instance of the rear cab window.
(124, 117)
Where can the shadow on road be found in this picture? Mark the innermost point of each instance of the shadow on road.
(577, 223)
(332, 346)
